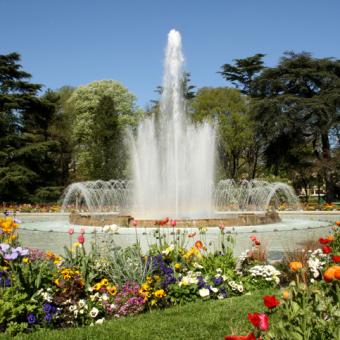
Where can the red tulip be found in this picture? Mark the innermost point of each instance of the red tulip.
(259, 320)
(253, 238)
(174, 223)
(324, 240)
(81, 239)
(336, 258)
(270, 301)
(199, 244)
(250, 336)
(257, 242)
(326, 250)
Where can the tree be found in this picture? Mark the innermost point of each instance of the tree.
(298, 104)
(244, 72)
(230, 109)
(17, 97)
(84, 104)
(109, 158)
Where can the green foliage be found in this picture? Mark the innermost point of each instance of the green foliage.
(15, 306)
(236, 141)
(88, 107)
(311, 313)
(123, 265)
(32, 276)
(244, 72)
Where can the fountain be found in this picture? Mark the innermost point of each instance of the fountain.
(173, 172)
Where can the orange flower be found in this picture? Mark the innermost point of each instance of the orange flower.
(330, 238)
(337, 223)
(295, 265)
(285, 295)
(337, 273)
(328, 275)
(199, 244)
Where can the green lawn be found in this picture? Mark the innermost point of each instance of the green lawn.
(200, 320)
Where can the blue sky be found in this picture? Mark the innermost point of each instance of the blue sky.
(74, 42)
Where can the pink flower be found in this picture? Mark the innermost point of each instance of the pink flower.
(81, 239)
(221, 226)
(253, 238)
(134, 223)
(173, 223)
(71, 231)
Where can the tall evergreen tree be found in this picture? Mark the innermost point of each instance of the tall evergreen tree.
(17, 95)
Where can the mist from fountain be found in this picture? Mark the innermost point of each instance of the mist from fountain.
(173, 160)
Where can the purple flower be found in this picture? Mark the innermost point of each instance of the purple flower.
(48, 317)
(24, 252)
(11, 257)
(31, 318)
(4, 247)
(7, 282)
(16, 220)
(223, 292)
(47, 307)
(217, 280)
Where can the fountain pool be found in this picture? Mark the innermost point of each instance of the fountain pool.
(50, 232)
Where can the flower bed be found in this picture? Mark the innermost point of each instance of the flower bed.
(42, 289)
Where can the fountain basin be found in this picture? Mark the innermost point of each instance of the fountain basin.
(228, 219)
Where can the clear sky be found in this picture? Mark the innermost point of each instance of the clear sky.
(74, 42)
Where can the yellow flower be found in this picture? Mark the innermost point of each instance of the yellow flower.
(157, 278)
(149, 279)
(112, 290)
(145, 286)
(153, 302)
(97, 286)
(26, 260)
(104, 282)
(160, 293)
(178, 266)
(67, 277)
(49, 254)
(57, 282)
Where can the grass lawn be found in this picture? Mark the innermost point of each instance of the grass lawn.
(200, 320)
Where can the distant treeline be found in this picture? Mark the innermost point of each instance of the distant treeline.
(279, 123)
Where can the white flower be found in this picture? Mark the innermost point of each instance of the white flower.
(106, 228)
(204, 292)
(81, 303)
(168, 250)
(240, 288)
(220, 297)
(94, 312)
(100, 321)
(219, 270)
(198, 266)
(214, 289)
(105, 297)
(110, 228)
(72, 308)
